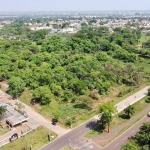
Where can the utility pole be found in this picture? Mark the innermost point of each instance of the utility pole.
(49, 137)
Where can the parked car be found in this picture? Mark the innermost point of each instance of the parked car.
(54, 121)
(13, 137)
(148, 114)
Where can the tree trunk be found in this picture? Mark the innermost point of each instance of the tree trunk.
(108, 126)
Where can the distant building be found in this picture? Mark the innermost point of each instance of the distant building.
(34, 28)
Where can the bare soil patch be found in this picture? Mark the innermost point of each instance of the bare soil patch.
(4, 86)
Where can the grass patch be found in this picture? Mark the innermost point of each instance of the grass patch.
(144, 38)
(34, 139)
(3, 130)
(133, 91)
(66, 148)
(65, 111)
(26, 97)
(117, 121)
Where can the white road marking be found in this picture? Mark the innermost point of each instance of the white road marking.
(116, 145)
(133, 131)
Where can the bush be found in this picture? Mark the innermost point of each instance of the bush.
(123, 92)
(147, 100)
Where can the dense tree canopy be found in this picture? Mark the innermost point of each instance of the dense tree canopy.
(68, 69)
(16, 86)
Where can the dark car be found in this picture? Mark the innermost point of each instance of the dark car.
(13, 137)
(54, 121)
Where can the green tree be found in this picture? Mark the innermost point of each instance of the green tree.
(131, 145)
(16, 86)
(106, 114)
(2, 111)
(141, 141)
(42, 95)
(129, 111)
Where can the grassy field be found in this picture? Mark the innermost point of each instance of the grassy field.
(3, 130)
(34, 139)
(64, 111)
(117, 121)
(26, 97)
(144, 39)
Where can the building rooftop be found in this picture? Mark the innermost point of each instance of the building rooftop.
(13, 117)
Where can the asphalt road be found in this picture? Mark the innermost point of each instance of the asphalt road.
(123, 138)
(73, 137)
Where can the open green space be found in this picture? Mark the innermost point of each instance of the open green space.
(117, 120)
(35, 140)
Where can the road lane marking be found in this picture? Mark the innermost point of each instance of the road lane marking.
(124, 138)
(116, 145)
(133, 131)
(125, 131)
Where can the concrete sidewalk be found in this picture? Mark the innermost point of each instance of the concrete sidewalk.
(132, 99)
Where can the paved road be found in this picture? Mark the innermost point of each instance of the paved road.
(73, 137)
(76, 135)
(122, 139)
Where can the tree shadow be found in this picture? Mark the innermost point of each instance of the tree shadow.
(129, 83)
(124, 116)
(82, 106)
(95, 126)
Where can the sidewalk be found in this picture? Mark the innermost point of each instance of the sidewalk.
(130, 100)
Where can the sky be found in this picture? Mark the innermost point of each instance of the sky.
(73, 5)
